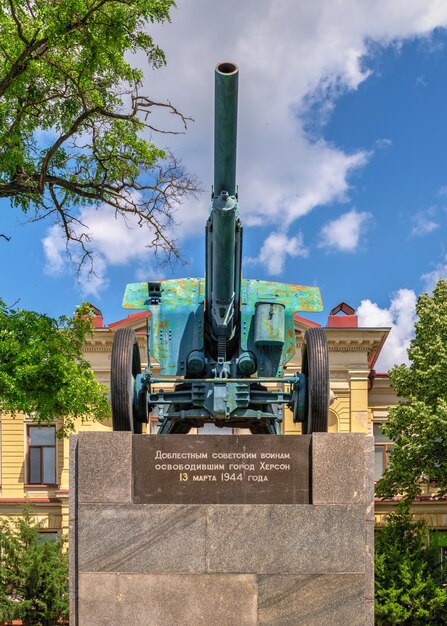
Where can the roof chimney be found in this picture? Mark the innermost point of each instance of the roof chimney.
(97, 319)
(348, 320)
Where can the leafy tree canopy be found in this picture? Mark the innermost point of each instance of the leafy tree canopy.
(33, 574)
(71, 115)
(42, 369)
(418, 424)
(408, 578)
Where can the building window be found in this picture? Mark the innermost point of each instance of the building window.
(41, 455)
(438, 540)
(383, 448)
(48, 535)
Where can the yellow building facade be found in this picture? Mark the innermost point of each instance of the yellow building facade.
(34, 462)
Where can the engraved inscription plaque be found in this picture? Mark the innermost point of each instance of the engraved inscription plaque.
(221, 469)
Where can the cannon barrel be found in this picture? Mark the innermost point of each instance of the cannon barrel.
(223, 276)
(225, 128)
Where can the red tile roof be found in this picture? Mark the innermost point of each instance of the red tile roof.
(132, 317)
(306, 322)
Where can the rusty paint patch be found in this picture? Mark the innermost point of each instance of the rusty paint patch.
(182, 291)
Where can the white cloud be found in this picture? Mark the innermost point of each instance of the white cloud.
(423, 222)
(92, 283)
(431, 278)
(55, 252)
(149, 271)
(424, 226)
(420, 81)
(400, 316)
(275, 250)
(343, 234)
(383, 143)
(115, 241)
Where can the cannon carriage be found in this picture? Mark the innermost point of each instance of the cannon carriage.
(221, 340)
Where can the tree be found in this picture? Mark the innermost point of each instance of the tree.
(42, 370)
(418, 424)
(72, 116)
(408, 583)
(33, 574)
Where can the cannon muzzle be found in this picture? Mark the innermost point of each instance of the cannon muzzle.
(225, 128)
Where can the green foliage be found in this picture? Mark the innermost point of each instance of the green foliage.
(418, 424)
(33, 574)
(408, 584)
(42, 370)
(72, 116)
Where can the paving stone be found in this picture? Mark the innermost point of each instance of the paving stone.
(338, 468)
(141, 538)
(311, 600)
(167, 600)
(271, 539)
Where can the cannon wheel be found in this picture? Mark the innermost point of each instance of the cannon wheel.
(126, 365)
(315, 366)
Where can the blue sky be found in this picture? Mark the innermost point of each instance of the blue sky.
(342, 160)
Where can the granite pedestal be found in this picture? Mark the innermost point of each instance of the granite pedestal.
(150, 547)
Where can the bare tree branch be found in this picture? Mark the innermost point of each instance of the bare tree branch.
(72, 130)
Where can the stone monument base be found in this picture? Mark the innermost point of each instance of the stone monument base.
(138, 558)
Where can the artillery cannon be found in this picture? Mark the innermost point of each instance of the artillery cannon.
(220, 340)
